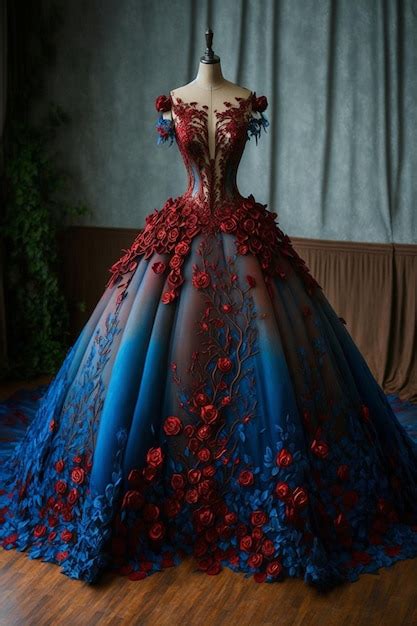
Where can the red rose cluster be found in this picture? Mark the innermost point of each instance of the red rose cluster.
(257, 233)
(171, 231)
(134, 499)
(201, 280)
(295, 499)
(163, 103)
(168, 231)
(58, 510)
(259, 104)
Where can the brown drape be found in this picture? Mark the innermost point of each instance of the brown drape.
(372, 286)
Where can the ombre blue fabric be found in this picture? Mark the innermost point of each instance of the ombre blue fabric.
(221, 410)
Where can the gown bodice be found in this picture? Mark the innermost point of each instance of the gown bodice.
(212, 178)
(211, 203)
(212, 191)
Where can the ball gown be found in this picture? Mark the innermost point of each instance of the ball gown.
(214, 404)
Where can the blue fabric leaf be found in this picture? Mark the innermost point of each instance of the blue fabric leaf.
(165, 129)
(256, 125)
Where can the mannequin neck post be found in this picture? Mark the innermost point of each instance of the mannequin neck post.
(209, 75)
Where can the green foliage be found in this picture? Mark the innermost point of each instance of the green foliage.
(37, 312)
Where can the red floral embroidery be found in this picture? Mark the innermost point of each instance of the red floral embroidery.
(59, 466)
(172, 425)
(284, 458)
(274, 568)
(224, 364)
(259, 104)
(78, 475)
(168, 297)
(201, 280)
(72, 496)
(300, 497)
(320, 448)
(163, 103)
(282, 490)
(246, 478)
(196, 485)
(155, 457)
(60, 487)
(66, 536)
(158, 267)
(39, 530)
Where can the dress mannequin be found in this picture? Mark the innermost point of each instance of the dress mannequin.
(209, 88)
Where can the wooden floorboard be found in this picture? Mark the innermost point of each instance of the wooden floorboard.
(38, 594)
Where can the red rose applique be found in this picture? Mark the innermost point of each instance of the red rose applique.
(59, 466)
(163, 103)
(132, 500)
(300, 497)
(224, 364)
(78, 475)
(259, 104)
(284, 458)
(320, 448)
(172, 425)
(246, 478)
(282, 490)
(201, 280)
(155, 457)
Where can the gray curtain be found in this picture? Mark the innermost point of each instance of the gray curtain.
(340, 156)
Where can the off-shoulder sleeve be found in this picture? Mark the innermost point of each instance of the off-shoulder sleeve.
(164, 127)
(257, 121)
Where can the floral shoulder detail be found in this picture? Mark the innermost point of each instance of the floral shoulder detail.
(164, 127)
(257, 121)
(163, 103)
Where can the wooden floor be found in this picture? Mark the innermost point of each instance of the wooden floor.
(32, 592)
(36, 593)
